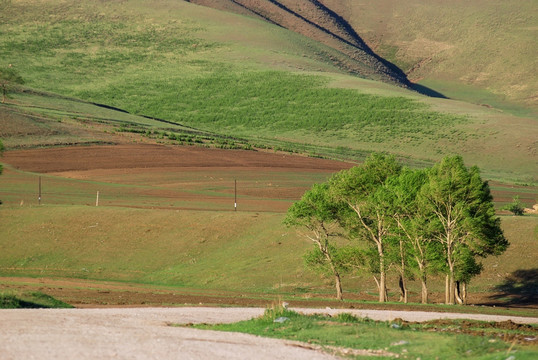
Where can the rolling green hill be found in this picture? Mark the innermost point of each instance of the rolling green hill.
(234, 75)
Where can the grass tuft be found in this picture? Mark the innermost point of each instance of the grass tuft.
(30, 300)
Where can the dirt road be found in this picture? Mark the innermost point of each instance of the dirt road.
(144, 333)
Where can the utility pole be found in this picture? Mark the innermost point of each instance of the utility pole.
(97, 199)
(39, 196)
(235, 194)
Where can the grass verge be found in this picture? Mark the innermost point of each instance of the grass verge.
(359, 338)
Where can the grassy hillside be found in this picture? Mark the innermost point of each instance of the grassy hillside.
(480, 51)
(225, 73)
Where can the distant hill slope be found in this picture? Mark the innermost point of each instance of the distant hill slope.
(481, 51)
(316, 21)
(229, 75)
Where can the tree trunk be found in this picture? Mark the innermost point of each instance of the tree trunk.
(402, 283)
(452, 289)
(382, 287)
(457, 293)
(403, 289)
(337, 280)
(424, 292)
(423, 281)
(451, 300)
(338, 284)
(382, 275)
(447, 291)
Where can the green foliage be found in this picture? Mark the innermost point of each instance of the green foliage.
(321, 216)
(464, 217)
(361, 188)
(515, 207)
(347, 318)
(9, 77)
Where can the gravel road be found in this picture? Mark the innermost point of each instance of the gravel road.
(143, 333)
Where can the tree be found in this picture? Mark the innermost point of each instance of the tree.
(515, 207)
(319, 214)
(464, 218)
(1, 152)
(1, 168)
(357, 188)
(8, 79)
(418, 254)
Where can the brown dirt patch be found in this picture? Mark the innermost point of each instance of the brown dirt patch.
(67, 159)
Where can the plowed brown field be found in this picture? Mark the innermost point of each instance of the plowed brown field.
(54, 160)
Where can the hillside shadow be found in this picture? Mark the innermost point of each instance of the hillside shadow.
(519, 288)
(424, 90)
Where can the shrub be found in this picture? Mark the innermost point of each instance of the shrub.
(515, 207)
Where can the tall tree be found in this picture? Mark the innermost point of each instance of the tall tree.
(320, 215)
(418, 253)
(1, 152)
(464, 217)
(357, 188)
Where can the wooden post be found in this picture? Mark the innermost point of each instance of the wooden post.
(39, 195)
(97, 199)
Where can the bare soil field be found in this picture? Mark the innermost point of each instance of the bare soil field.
(69, 160)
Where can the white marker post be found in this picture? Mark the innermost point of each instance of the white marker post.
(97, 199)
(235, 194)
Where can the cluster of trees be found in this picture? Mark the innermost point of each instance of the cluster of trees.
(382, 217)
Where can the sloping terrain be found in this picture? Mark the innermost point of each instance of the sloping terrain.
(316, 21)
(480, 51)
